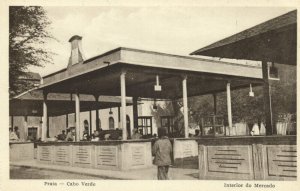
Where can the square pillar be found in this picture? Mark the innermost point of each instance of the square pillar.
(229, 112)
(185, 107)
(123, 105)
(267, 100)
(215, 104)
(12, 121)
(45, 117)
(135, 112)
(77, 114)
(97, 113)
(25, 127)
(91, 126)
(67, 121)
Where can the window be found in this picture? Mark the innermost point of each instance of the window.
(167, 122)
(111, 123)
(212, 126)
(128, 126)
(32, 133)
(145, 125)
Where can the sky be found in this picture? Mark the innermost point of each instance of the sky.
(174, 30)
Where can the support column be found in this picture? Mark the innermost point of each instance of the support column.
(135, 112)
(97, 113)
(25, 127)
(267, 100)
(77, 114)
(97, 120)
(67, 121)
(91, 123)
(123, 105)
(12, 122)
(48, 127)
(215, 104)
(185, 107)
(45, 117)
(229, 113)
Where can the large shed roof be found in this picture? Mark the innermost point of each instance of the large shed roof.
(274, 40)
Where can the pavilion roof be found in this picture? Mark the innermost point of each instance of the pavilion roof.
(30, 103)
(101, 75)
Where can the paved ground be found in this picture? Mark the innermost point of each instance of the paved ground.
(35, 173)
(30, 169)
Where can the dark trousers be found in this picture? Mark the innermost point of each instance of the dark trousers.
(162, 172)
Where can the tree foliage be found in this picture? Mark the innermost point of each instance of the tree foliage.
(28, 32)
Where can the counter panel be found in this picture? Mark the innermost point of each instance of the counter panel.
(21, 151)
(281, 161)
(45, 154)
(248, 158)
(185, 153)
(62, 155)
(229, 160)
(137, 155)
(82, 155)
(109, 155)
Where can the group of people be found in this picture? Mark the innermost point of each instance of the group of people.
(69, 136)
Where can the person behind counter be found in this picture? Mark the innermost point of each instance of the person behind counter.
(62, 136)
(95, 136)
(12, 135)
(136, 134)
(16, 128)
(197, 133)
(162, 151)
(86, 135)
(70, 136)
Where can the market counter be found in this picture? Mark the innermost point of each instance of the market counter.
(248, 158)
(112, 155)
(21, 151)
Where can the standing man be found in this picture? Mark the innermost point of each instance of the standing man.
(162, 151)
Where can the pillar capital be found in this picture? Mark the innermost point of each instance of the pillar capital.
(96, 96)
(45, 94)
(184, 76)
(123, 72)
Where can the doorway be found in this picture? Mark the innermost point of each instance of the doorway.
(128, 127)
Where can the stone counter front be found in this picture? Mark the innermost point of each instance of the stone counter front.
(19, 151)
(112, 155)
(248, 158)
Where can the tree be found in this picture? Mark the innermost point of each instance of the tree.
(28, 32)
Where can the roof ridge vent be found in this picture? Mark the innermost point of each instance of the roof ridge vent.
(76, 50)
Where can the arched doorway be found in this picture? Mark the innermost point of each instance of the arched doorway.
(111, 123)
(128, 126)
